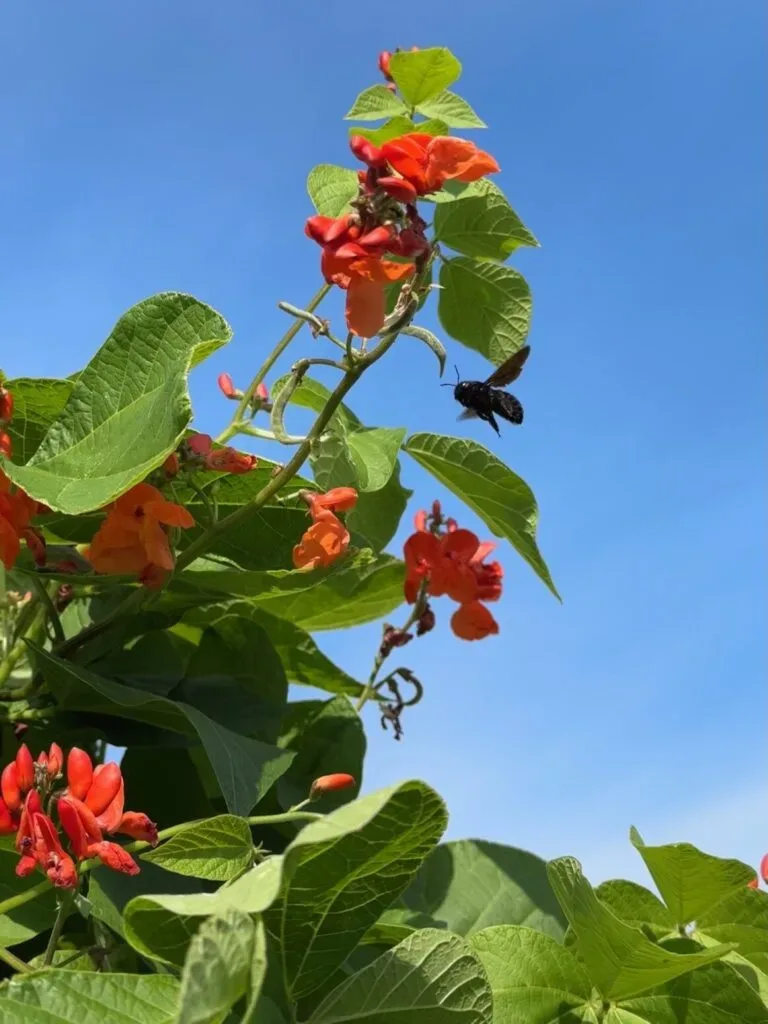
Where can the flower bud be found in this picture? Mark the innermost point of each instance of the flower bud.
(384, 58)
(6, 445)
(764, 869)
(171, 465)
(330, 784)
(79, 773)
(392, 638)
(426, 622)
(262, 392)
(6, 404)
(227, 387)
(25, 767)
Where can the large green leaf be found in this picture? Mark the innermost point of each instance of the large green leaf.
(244, 767)
(359, 589)
(303, 661)
(217, 968)
(620, 959)
(218, 849)
(470, 884)
(342, 871)
(741, 917)
(374, 104)
(30, 918)
(423, 74)
(500, 497)
(429, 978)
(452, 109)
(637, 906)
(38, 401)
(483, 226)
(484, 306)
(691, 882)
(129, 407)
(374, 452)
(82, 997)
(376, 516)
(332, 188)
(533, 978)
(328, 737)
(161, 927)
(713, 994)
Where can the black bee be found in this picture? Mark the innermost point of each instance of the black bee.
(483, 398)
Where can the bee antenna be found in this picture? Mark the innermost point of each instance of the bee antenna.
(458, 378)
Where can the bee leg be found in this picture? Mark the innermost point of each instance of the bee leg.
(490, 418)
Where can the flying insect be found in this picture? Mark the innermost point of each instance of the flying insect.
(486, 399)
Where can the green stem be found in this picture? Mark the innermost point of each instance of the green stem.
(378, 661)
(6, 906)
(33, 632)
(269, 435)
(61, 916)
(13, 961)
(266, 366)
(47, 601)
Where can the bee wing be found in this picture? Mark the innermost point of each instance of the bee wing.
(510, 370)
(468, 414)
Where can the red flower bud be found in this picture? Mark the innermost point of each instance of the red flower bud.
(753, 883)
(366, 151)
(400, 189)
(79, 773)
(114, 857)
(79, 823)
(107, 779)
(171, 465)
(25, 766)
(764, 868)
(392, 638)
(384, 58)
(262, 392)
(6, 445)
(9, 786)
(227, 386)
(138, 826)
(200, 444)
(426, 622)
(6, 404)
(227, 460)
(329, 784)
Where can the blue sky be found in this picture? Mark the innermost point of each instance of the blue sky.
(165, 145)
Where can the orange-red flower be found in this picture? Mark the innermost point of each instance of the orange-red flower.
(222, 460)
(6, 404)
(6, 445)
(447, 561)
(364, 279)
(327, 538)
(16, 512)
(133, 537)
(426, 162)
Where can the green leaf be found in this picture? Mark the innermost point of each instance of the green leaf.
(38, 401)
(453, 190)
(393, 129)
(452, 109)
(429, 978)
(534, 980)
(620, 960)
(470, 884)
(348, 867)
(218, 849)
(434, 126)
(161, 927)
(377, 515)
(690, 882)
(245, 768)
(128, 409)
(30, 918)
(741, 917)
(217, 968)
(484, 306)
(362, 588)
(637, 906)
(394, 925)
(500, 497)
(254, 1013)
(302, 659)
(328, 736)
(374, 452)
(713, 994)
(81, 997)
(374, 104)
(484, 226)
(429, 339)
(332, 188)
(423, 74)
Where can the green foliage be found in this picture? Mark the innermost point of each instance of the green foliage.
(218, 849)
(61, 997)
(374, 104)
(424, 74)
(331, 189)
(128, 409)
(482, 225)
(452, 109)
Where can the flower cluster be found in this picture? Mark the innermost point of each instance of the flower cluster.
(441, 559)
(327, 538)
(134, 538)
(385, 220)
(90, 806)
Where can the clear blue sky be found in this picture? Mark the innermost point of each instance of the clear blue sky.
(165, 145)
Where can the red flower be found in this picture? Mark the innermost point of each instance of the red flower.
(473, 621)
(327, 538)
(338, 499)
(133, 536)
(364, 279)
(137, 825)
(79, 772)
(102, 792)
(330, 784)
(49, 853)
(366, 152)
(227, 386)
(171, 465)
(6, 445)
(426, 162)
(16, 512)
(384, 58)
(221, 460)
(6, 405)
